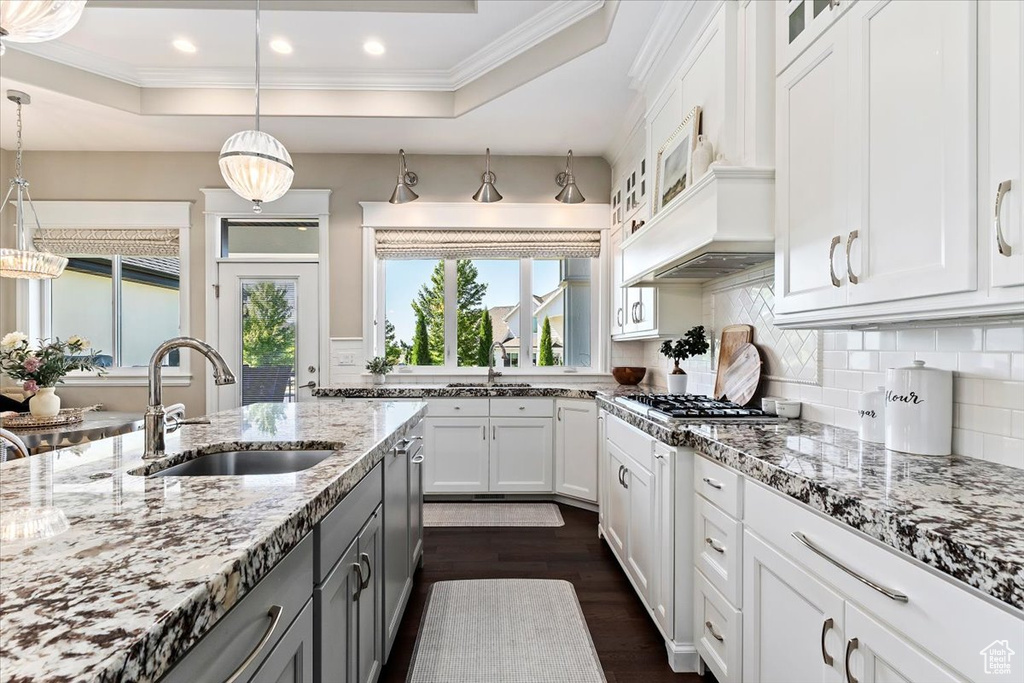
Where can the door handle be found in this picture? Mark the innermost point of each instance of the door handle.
(494, 432)
(825, 628)
(620, 475)
(640, 308)
(365, 583)
(416, 459)
(851, 645)
(308, 385)
(559, 414)
(618, 317)
(625, 471)
(849, 268)
(1004, 248)
(831, 260)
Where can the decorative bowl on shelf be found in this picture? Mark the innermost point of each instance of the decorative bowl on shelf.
(628, 376)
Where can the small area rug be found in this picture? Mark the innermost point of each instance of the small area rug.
(492, 514)
(504, 631)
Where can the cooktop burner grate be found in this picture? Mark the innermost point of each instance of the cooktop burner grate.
(689, 406)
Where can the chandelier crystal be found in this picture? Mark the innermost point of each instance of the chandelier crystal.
(35, 21)
(22, 262)
(255, 165)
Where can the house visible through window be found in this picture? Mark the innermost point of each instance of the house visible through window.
(124, 305)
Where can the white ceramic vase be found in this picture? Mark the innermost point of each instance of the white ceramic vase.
(871, 416)
(379, 379)
(46, 403)
(677, 383)
(703, 155)
(919, 410)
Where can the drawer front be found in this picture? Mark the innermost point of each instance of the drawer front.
(340, 527)
(522, 407)
(458, 407)
(720, 485)
(718, 549)
(632, 442)
(941, 617)
(718, 627)
(237, 635)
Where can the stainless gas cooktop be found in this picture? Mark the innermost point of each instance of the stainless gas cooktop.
(692, 408)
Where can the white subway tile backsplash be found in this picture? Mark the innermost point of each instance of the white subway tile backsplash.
(985, 365)
(967, 390)
(1000, 394)
(959, 339)
(944, 360)
(1017, 367)
(849, 340)
(837, 398)
(1017, 425)
(1004, 450)
(915, 340)
(818, 413)
(895, 359)
(880, 340)
(835, 360)
(968, 442)
(866, 361)
(849, 379)
(1004, 338)
(986, 419)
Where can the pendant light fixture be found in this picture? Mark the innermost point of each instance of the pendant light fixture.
(403, 193)
(22, 262)
(36, 21)
(488, 192)
(570, 194)
(254, 164)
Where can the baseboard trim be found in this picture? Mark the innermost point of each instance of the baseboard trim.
(682, 657)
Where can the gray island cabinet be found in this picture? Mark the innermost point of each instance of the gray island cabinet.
(319, 615)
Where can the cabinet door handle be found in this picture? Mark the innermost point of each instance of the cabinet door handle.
(851, 645)
(417, 459)
(625, 471)
(714, 632)
(620, 475)
(640, 311)
(713, 483)
(484, 432)
(494, 432)
(832, 4)
(357, 567)
(887, 592)
(365, 583)
(618, 317)
(559, 414)
(831, 263)
(825, 628)
(715, 544)
(275, 617)
(849, 268)
(1001, 245)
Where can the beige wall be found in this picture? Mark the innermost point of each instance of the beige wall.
(351, 177)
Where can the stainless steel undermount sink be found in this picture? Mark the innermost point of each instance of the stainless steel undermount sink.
(244, 463)
(485, 385)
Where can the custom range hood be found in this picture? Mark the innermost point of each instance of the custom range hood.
(722, 224)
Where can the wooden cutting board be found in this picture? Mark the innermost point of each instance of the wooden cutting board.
(743, 375)
(733, 337)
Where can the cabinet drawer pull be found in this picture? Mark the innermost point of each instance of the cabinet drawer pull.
(620, 475)
(618, 317)
(559, 414)
(713, 483)
(522, 407)
(275, 617)
(1001, 245)
(416, 459)
(849, 268)
(715, 544)
(831, 263)
(494, 432)
(365, 583)
(851, 645)
(825, 628)
(887, 592)
(714, 632)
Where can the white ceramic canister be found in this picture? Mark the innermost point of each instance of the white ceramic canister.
(703, 155)
(919, 410)
(871, 416)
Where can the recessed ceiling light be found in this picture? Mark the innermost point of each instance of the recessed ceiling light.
(281, 46)
(374, 47)
(183, 45)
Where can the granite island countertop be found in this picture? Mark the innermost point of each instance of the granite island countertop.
(472, 389)
(148, 565)
(962, 516)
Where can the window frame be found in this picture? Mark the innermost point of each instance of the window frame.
(451, 366)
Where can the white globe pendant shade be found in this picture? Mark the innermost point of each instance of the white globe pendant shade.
(34, 21)
(256, 167)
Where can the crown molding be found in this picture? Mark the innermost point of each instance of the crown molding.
(670, 18)
(542, 26)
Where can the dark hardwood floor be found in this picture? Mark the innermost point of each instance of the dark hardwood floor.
(628, 643)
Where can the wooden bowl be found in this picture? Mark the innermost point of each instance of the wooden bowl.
(629, 376)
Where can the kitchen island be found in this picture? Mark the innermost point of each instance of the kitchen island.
(149, 565)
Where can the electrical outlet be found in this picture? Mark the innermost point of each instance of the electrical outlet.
(346, 359)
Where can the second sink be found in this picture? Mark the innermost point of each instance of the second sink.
(240, 463)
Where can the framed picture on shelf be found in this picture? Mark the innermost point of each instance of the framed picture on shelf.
(673, 163)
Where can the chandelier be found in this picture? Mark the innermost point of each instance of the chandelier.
(22, 262)
(254, 164)
(35, 21)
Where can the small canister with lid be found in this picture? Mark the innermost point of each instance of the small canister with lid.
(871, 416)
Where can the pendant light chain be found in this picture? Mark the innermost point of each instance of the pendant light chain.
(17, 158)
(257, 64)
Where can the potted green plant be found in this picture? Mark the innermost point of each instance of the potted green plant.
(693, 343)
(379, 367)
(41, 369)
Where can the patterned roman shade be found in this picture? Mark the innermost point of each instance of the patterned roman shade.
(108, 242)
(456, 244)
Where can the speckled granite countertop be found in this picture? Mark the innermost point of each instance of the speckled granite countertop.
(148, 565)
(962, 516)
(496, 390)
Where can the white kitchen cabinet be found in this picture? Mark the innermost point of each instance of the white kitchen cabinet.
(656, 312)
(616, 504)
(663, 588)
(520, 454)
(618, 313)
(792, 623)
(456, 458)
(1002, 129)
(576, 449)
(602, 469)
(640, 540)
(875, 654)
(799, 22)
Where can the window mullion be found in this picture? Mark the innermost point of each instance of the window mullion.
(451, 313)
(115, 289)
(526, 313)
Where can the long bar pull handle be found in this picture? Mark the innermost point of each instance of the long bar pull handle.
(714, 632)
(825, 628)
(713, 483)
(851, 645)
(715, 544)
(887, 592)
(275, 618)
(1004, 248)
(849, 268)
(836, 282)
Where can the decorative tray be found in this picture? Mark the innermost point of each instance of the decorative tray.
(67, 416)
